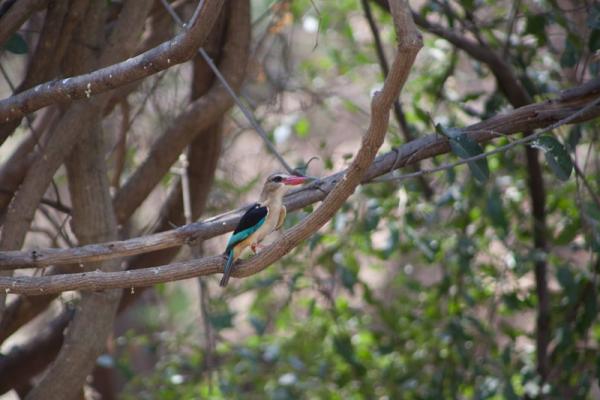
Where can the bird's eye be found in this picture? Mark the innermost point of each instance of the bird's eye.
(277, 179)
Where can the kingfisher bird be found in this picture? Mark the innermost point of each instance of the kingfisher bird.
(260, 220)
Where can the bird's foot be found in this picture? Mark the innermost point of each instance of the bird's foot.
(256, 246)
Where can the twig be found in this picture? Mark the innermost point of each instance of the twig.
(383, 63)
(34, 132)
(247, 113)
(497, 150)
(514, 10)
(196, 14)
(410, 43)
(196, 251)
(54, 204)
(58, 227)
(120, 146)
(142, 105)
(516, 121)
(104, 79)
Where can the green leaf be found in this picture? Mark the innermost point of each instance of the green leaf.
(343, 346)
(465, 147)
(258, 324)
(495, 211)
(565, 277)
(590, 311)
(421, 114)
(594, 41)
(16, 44)
(557, 157)
(570, 55)
(348, 277)
(594, 19)
(536, 25)
(468, 4)
(221, 320)
(574, 138)
(302, 127)
(568, 233)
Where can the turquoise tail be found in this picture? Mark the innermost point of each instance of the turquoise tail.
(228, 268)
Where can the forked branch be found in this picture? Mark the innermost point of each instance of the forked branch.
(535, 116)
(409, 44)
(181, 48)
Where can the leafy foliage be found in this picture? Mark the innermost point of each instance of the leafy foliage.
(16, 44)
(400, 296)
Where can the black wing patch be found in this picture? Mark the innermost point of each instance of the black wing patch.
(249, 223)
(252, 217)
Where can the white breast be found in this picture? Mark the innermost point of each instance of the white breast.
(269, 225)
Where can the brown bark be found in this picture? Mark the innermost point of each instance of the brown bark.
(176, 51)
(214, 49)
(15, 15)
(93, 219)
(405, 155)
(49, 157)
(28, 360)
(159, 29)
(198, 115)
(343, 185)
(121, 42)
(398, 112)
(534, 116)
(14, 170)
(204, 153)
(382, 102)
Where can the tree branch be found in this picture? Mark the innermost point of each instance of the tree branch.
(204, 155)
(539, 115)
(398, 111)
(93, 220)
(409, 44)
(179, 49)
(234, 96)
(15, 373)
(193, 268)
(199, 115)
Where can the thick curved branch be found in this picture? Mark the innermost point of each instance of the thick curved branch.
(409, 45)
(204, 153)
(398, 111)
(508, 82)
(530, 117)
(198, 116)
(49, 339)
(211, 265)
(179, 49)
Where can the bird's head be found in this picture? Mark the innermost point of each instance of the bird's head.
(277, 184)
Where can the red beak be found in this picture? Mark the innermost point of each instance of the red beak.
(294, 180)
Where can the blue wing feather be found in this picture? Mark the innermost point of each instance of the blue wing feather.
(240, 236)
(249, 223)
